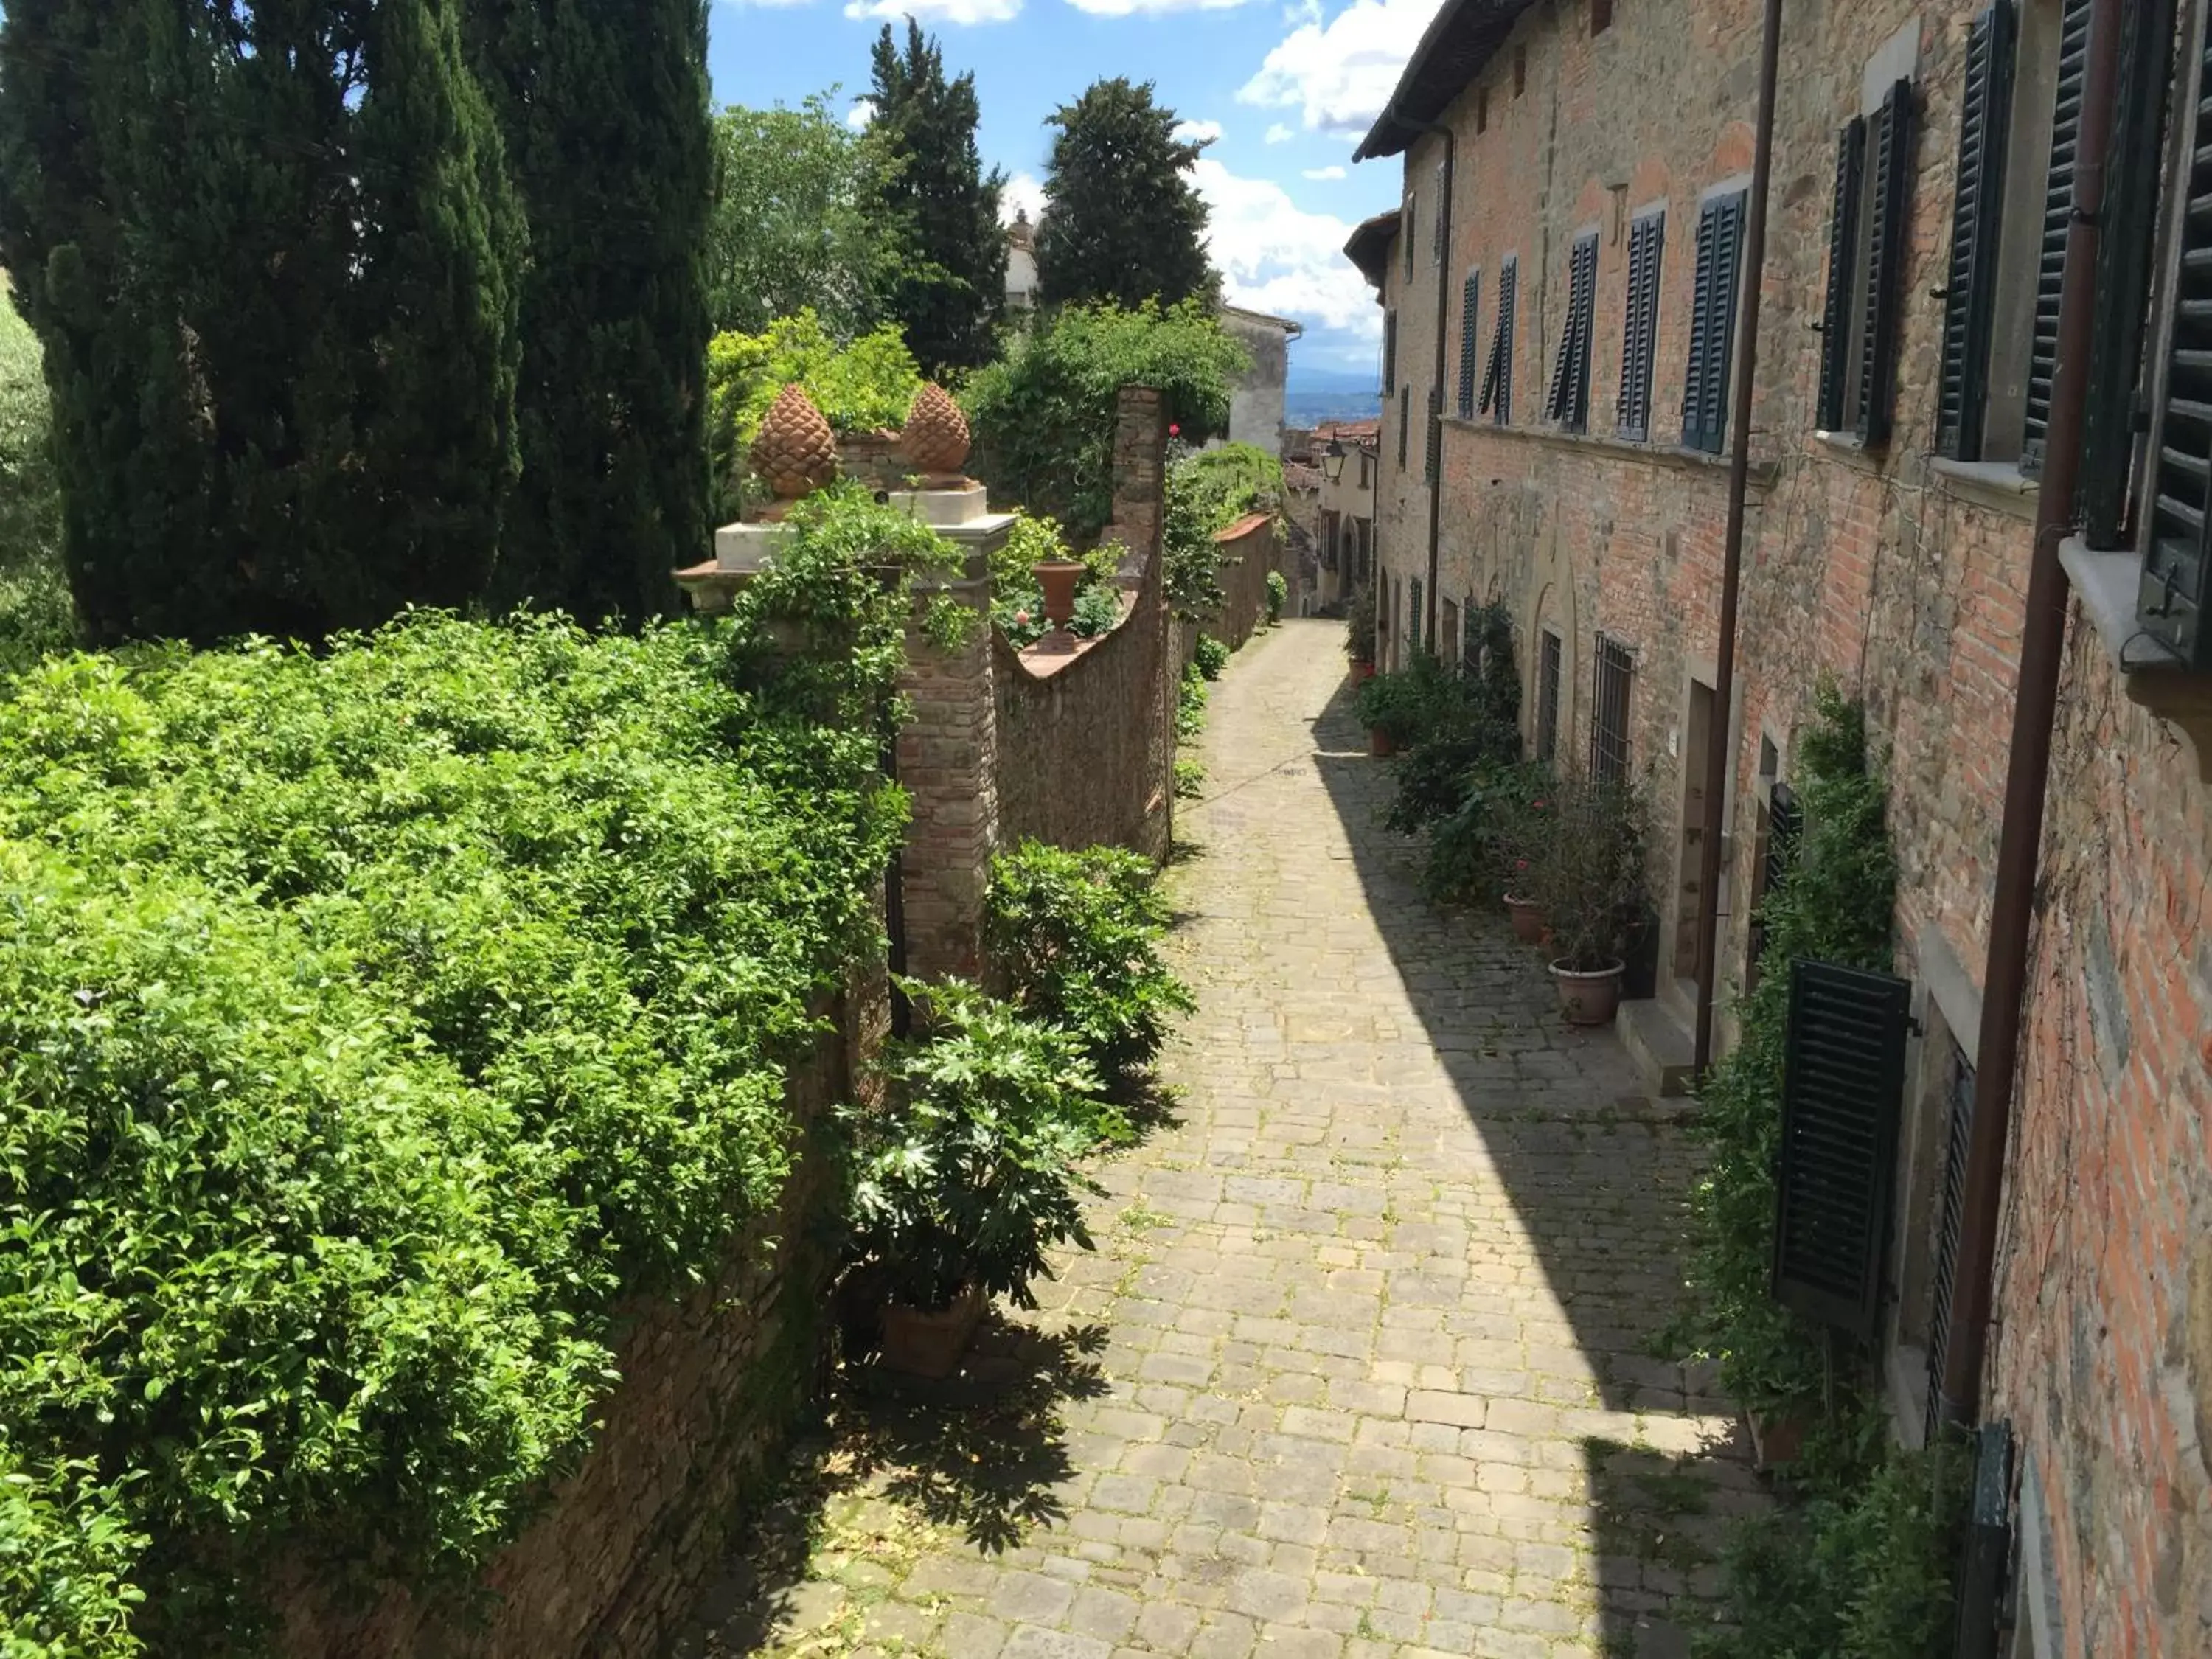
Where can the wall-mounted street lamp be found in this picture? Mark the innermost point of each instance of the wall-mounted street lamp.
(1332, 460)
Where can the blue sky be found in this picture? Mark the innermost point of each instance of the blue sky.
(1288, 92)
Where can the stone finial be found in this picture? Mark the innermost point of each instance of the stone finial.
(794, 452)
(936, 435)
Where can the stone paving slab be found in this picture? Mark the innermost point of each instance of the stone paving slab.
(1359, 1370)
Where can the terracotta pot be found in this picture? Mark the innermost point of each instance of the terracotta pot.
(929, 1342)
(1379, 743)
(1775, 1440)
(1362, 672)
(1527, 919)
(1058, 577)
(1588, 999)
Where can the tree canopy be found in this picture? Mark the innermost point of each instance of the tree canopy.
(1123, 223)
(938, 199)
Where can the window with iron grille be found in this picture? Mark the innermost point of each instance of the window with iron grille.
(1712, 322)
(1405, 230)
(1470, 293)
(1450, 642)
(1609, 709)
(1869, 237)
(1433, 464)
(1405, 420)
(1389, 352)
(1416, 617)
(1784, 823)
(1568, 400)
(1498, 375)
(1949, 1218)
(1548, 696)
(1639, 345)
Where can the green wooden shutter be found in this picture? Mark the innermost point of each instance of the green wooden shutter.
(2113, 406)
(1712, 322)
(2057, 207)
(1842, 1076)
(2171, 602)
(1498, 376)
(1640, 329)
(1470, 295)
(1405, 420)
(1950, 1215)
(1389, 352)
(1888, 234)
(1970, 297)
(1433, 464)
(1785, 822)
(1581, 301)
(1842, 255)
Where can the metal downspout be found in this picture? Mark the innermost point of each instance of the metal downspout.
(1720, 742)
(2043, 644)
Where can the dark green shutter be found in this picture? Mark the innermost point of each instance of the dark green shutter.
(1712, 324)
(1888, 235)
(1985, 1560)
(1842, 1076)
(1433, 466)
(1950, 1217)
(2057, 207)
(1405, 420)
(2171, 602)
(1640, 330)
(2113, 403)
(1784, 822)
(1568, 400)
(1843, 254)
(1970, 299)
(1497, 378)
(1470, 295)
(1389, 352)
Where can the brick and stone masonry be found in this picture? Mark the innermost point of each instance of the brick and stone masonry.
(1901, 577)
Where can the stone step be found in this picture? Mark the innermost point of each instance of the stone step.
(1660, 1043)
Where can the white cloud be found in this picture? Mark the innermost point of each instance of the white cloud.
(937, 11)
(1276, 257)
(862, 112)
(1130, 8)
(1280, 134)
(1197, 132)
(1324, 173)
(1024, 191)
(1339, 74)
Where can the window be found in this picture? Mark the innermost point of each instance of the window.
(1498, 375)
(1406, 231)
(1482, 109)
(1780, 822)
(1640, 330)
(1568, 401)
(1470, 635)
(1389, 352)
(1405, 420)
(1548, 697)
(1600, 15)
(1448, 634)
(1867, 242)
(1616, 679)
(2057, 203)
(1970, 293)
(1432, 464)
(1520, 71)
(1470, 294)
(1414, 615)
(1949, 1218)
(1712, 322)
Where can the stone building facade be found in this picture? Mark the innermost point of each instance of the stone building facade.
(1256, 400)
(1891, 567)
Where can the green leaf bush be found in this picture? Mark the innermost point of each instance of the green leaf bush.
(1078, 935)
(372, 1024)
(1018, 600)
(1207, 492)
(1043, 415)
(1210, 656)
(36, 612)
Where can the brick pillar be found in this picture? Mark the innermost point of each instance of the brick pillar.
(1141, 476)
(948, 762)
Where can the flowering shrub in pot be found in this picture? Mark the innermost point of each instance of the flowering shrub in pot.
(1586, 871)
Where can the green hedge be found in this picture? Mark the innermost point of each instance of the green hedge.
(370, 1022)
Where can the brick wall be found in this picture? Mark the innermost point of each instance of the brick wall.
(948, 764)
(1251, 550)
(710, 1384)
(1903, 582)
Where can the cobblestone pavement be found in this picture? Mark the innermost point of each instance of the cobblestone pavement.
(1359, 1368)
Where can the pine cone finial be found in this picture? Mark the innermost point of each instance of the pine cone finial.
(935, 438)
(794, 452)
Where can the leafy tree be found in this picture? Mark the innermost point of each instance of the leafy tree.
(1043, 416)
(799, 222)
(34, 604)
(271, 251)
(949, 297)
(1122, 222)
(604, 104)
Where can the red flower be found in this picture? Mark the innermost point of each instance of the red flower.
(1535, 806)
(1175, 429)
(1520, 864)
(1021, 619)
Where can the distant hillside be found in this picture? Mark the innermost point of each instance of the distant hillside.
(1304, 407)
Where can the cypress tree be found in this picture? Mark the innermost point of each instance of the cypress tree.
(1122, 222)
(269, 250)
(952, 288)
(604, 104)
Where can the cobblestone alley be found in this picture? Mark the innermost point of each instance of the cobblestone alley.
(1359, 1368)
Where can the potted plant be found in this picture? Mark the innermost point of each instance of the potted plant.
(1401, 708)
(1359, 633)
(1586, 870)
(968, 1173)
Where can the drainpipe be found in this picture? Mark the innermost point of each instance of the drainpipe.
(1431, 438)
(1719, 743)
(2043, 643)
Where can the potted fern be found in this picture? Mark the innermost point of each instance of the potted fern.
(1586, 872)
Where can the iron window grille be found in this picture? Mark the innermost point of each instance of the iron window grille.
(1433, 464)
(1609, 709)
(1405, 420)
(1712, 322)
(1548, 696)
(1647, 238)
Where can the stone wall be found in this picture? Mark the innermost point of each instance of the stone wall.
(1901, 579)
(948, 763)
(710, 1384)
(1251, 550)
